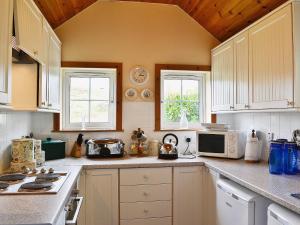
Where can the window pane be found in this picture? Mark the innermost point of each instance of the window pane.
(172, 111)
(79, 88)
(190, 90)
(79, 111)
(99, 111)
(172, 89)
(100, 88)
(192, 110)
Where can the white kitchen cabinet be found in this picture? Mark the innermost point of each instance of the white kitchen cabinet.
(209, 196)
(49, 77)
(6, 19)
(28, 26)
(271, 61)
(101, 197)
(222, 77)
(241, 71)
(187, 195)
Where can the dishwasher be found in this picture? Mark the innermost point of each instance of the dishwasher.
(240, 206)
(278, 215)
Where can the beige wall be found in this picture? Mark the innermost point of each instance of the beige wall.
(135, 34)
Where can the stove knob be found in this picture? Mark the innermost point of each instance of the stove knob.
(25, 169)
(34, 171)
(43, 170)
(51, 170)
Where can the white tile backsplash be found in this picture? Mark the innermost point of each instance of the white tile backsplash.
(281, 124)
(12, 125)
(135, 115)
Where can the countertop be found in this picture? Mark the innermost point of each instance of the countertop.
(43, 209)
(254, 176)
(37, 209)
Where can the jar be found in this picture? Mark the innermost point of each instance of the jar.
(290, 155)
(276, 157)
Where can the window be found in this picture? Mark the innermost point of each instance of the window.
(181, 90)
(89, 97)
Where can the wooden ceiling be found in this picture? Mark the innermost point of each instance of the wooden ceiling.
(222, 18)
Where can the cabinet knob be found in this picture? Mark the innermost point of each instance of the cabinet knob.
(247, 106)
(35, 52)
(43, 103)
(145, 177)
(146, 210)
(231, 107)
(290, 103)
(145, 194)
(50, 104)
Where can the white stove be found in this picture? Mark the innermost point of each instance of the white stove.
(40, 181)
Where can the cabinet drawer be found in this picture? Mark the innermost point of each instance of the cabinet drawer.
(146, 176)
(140, 210)
(145, 193)
(150, 221)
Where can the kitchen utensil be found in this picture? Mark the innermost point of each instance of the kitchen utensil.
(253, 148)
(76, 150)
(168, 150)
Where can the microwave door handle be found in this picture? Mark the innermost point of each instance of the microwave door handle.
(73, 221)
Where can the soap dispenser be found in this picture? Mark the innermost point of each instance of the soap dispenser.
(253, 148)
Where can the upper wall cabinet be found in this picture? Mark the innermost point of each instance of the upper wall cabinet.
(29, 28)
(266, 60)
(222, 77)
(241, 74)
(6, 15)
(271, 61)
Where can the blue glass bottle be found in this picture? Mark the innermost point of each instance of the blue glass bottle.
(290, 155)
(276, 157)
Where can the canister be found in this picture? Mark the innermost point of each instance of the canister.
(276, 157)
(22, 150)
(290, 155)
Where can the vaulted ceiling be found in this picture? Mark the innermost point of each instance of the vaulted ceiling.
(222, 18)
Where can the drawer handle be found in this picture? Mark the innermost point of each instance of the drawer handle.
(146, 177)
(145, 194)
(146, 210)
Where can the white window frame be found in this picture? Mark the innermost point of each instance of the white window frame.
(200, 76)
(67, 74)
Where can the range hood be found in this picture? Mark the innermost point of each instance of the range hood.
(19, 56)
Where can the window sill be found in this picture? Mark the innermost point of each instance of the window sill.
(162, 130)
(84, 131)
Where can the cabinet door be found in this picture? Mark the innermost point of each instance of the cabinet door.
(209, 203)
(187, 195)
(271, 62)
(222, 77)
(29, 24)
(101, 205)
(54, 73)
(241, 71)
(6, 18)
(44, 68)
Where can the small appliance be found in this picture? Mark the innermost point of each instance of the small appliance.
(168, 149)
(224, 144)
(253, 148)
(105, 148)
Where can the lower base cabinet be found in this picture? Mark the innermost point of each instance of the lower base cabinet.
(102, 197)
(149, 221)
(187, 195)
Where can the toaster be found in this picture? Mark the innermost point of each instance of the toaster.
(104, 148)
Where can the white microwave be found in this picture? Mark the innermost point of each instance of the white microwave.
(224, 144)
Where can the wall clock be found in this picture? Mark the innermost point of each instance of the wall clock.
(139, 75)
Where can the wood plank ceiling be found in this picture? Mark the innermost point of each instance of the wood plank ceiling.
(222, 18)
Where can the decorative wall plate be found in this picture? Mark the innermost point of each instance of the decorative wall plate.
(139, 75)
(146, 94)
(131, 94)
